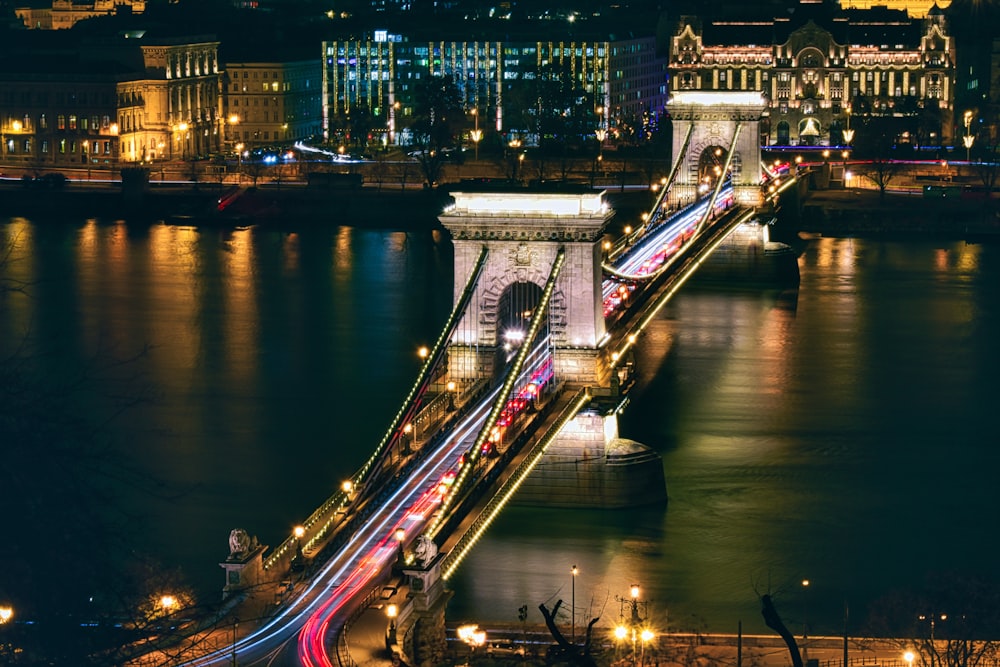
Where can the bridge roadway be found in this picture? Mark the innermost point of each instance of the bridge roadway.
(299, 632)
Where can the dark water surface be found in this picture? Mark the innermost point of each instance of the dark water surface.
(843, 433)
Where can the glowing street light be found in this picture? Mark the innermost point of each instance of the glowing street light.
(168, 602)
(391, 611)
(400, 537)
(574, 571)
(908, 657)
(967, 141)
(299, 532)
(6, 613)
(476, 135)
(646, 636)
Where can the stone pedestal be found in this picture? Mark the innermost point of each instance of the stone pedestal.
(422, 620)
(243, 570)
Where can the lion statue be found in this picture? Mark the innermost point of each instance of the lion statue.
(425, 550)
(239, 543)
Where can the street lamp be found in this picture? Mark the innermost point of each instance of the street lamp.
(647, 636)
(400, 536)
(391, 611)
(967, 141)
(574, 571)
(476, 134)
(299, 532)
(236, 625)
(908, 657)
(450, 387)
(471, 635)
(6, 613)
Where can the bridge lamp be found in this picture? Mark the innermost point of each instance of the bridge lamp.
(423, 352)
(347, 487)
(908, 657)
(6, 613)
(451, 394)
(168, 602)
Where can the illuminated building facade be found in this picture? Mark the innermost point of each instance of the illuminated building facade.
(130, 98)
(63, 14)
(914, 8)
(623, 78)
(883, 63)
(272, 102)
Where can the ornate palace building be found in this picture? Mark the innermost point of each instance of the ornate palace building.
(818, 67)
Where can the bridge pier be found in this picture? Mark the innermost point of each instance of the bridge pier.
(748, 255)
(589, 466)
(420, 626)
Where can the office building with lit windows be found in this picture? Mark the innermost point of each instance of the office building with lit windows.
(622, 78)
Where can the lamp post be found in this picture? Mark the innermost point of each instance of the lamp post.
(476, 135)
(908, 657)
(967, 141)
(848, 133)
(299, 532)
(391, 611)
(647, 636)
(574, 571)
(400, 536)
(450, 387)
(236, 625)
(232, 121)
(932, 618)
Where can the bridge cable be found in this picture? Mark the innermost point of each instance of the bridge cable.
(492, 509)
(409, 407)
(513, 376)
(722, 179)
(655, 213)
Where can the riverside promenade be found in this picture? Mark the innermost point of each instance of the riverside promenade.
(364, 645)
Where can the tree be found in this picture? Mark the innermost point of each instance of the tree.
(951, 620)
(565, 116)
(875, 141)
(575, 654)
(438, 116)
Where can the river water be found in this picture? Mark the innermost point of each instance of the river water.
(842, 433)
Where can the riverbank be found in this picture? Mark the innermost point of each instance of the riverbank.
(863, 212)
(835, 212)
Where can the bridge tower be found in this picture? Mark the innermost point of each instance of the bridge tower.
(523, 231)
(716, 119)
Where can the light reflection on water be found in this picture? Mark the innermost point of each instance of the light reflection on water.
(838, 433)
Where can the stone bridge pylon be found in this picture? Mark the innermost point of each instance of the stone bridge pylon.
(716, 121)
(523, 231)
